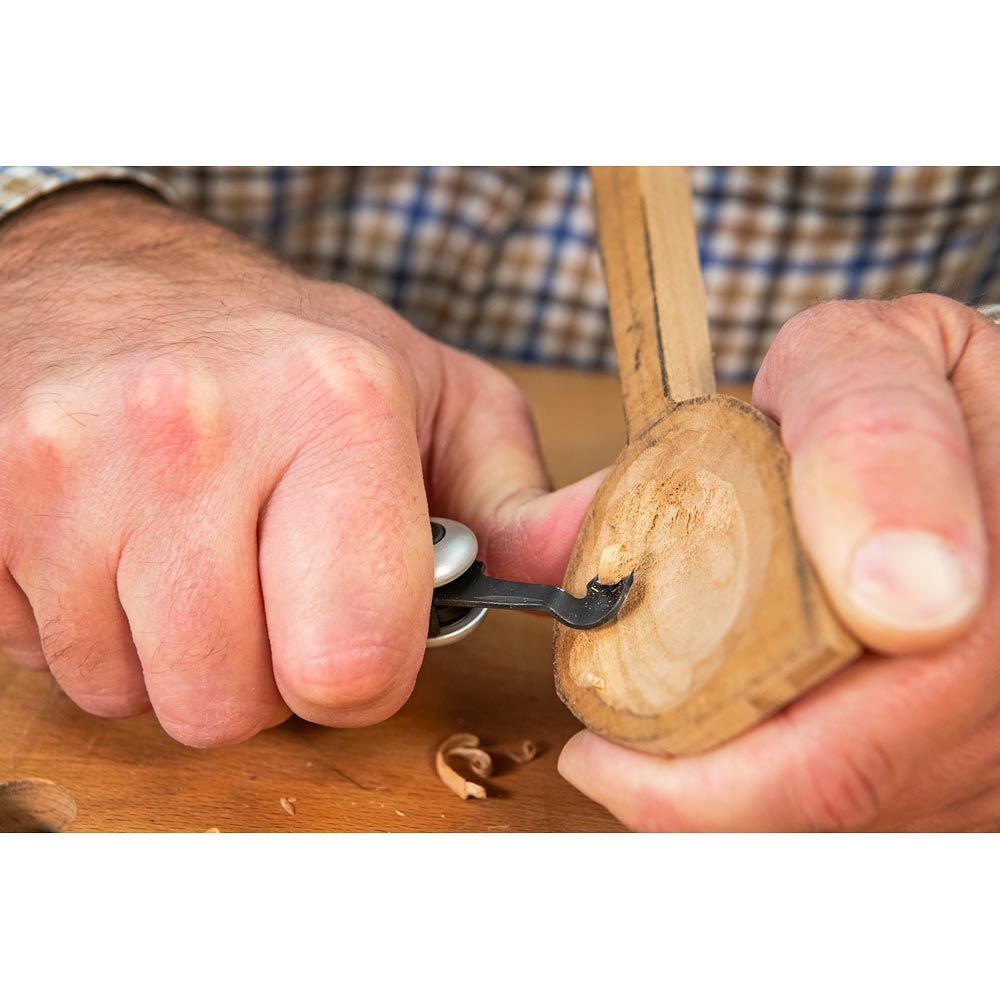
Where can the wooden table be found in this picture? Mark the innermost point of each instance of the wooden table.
(127, 775)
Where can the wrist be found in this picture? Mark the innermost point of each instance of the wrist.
(75, 211)
(91, 234)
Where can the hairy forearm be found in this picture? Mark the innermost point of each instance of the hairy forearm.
(104, 225)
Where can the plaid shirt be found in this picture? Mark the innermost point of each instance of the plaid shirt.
(503, 260)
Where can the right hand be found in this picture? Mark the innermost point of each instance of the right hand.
(214, 496)
(889, 412)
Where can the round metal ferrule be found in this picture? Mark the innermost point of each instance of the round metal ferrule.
(455, 550)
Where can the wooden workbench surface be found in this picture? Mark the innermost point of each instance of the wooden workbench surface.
(128, 775)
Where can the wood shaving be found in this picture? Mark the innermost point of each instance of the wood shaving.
(613, 564)
(520, 754)
(460, 786)
(399, 812)
(466, 746)
(288, 805)
(480, 762)
(213, 829)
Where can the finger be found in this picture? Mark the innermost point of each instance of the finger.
(19, 640)
(345, 547)
(488, 473)
(851, 754)
(57, 539)
(842, 758)
(84, 634)
(977, 814)
(959, 788)
(191, 591)
(883, 484)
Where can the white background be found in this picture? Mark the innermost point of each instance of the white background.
(513, 917)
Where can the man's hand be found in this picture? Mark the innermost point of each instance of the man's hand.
(214, 497)
(890, 412)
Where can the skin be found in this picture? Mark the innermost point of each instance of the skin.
(212, 467)
(890, 412)
(216, 474)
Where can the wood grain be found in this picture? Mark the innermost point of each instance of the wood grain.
(128, 775)
(726, 621)
(655, 289)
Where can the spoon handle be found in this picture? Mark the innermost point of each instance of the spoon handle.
(655, 292)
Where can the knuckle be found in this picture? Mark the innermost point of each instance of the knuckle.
(216, 728)
(186, 609)
(499, 383)
(939, 326)
(917, 308)
(19, 642)
(49, 424)
(348, 372)
(96, 678)
(861, 422)
(847, 790)
(72, 654)
(799, 326)
(25, 658)
(369, 681)
(175, 413)
(46, 438)
(486, 379)
(112, 704)
(811, 336)
(922, 323)
(186, 651)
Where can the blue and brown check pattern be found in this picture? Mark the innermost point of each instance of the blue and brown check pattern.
(503, 261)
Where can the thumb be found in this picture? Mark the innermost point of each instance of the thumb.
(883, 485)
(529, 536)
(488, 473)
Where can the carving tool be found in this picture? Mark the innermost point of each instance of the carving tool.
(463, 592)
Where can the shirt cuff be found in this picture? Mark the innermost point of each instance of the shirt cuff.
(19, 186)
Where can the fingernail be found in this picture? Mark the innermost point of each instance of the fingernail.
(913, 580)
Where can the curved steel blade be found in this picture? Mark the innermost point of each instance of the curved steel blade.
(474, 589)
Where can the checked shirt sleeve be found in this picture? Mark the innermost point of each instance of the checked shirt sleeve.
(19, 186)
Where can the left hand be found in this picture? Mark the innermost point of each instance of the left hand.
(890, 412)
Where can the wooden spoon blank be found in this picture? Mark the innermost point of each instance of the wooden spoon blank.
(726, 621)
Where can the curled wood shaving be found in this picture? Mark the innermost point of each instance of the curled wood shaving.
(288, 805)
(611, 566)
(467, 747)
(521, 754)
(480, 762)
(463, 788)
